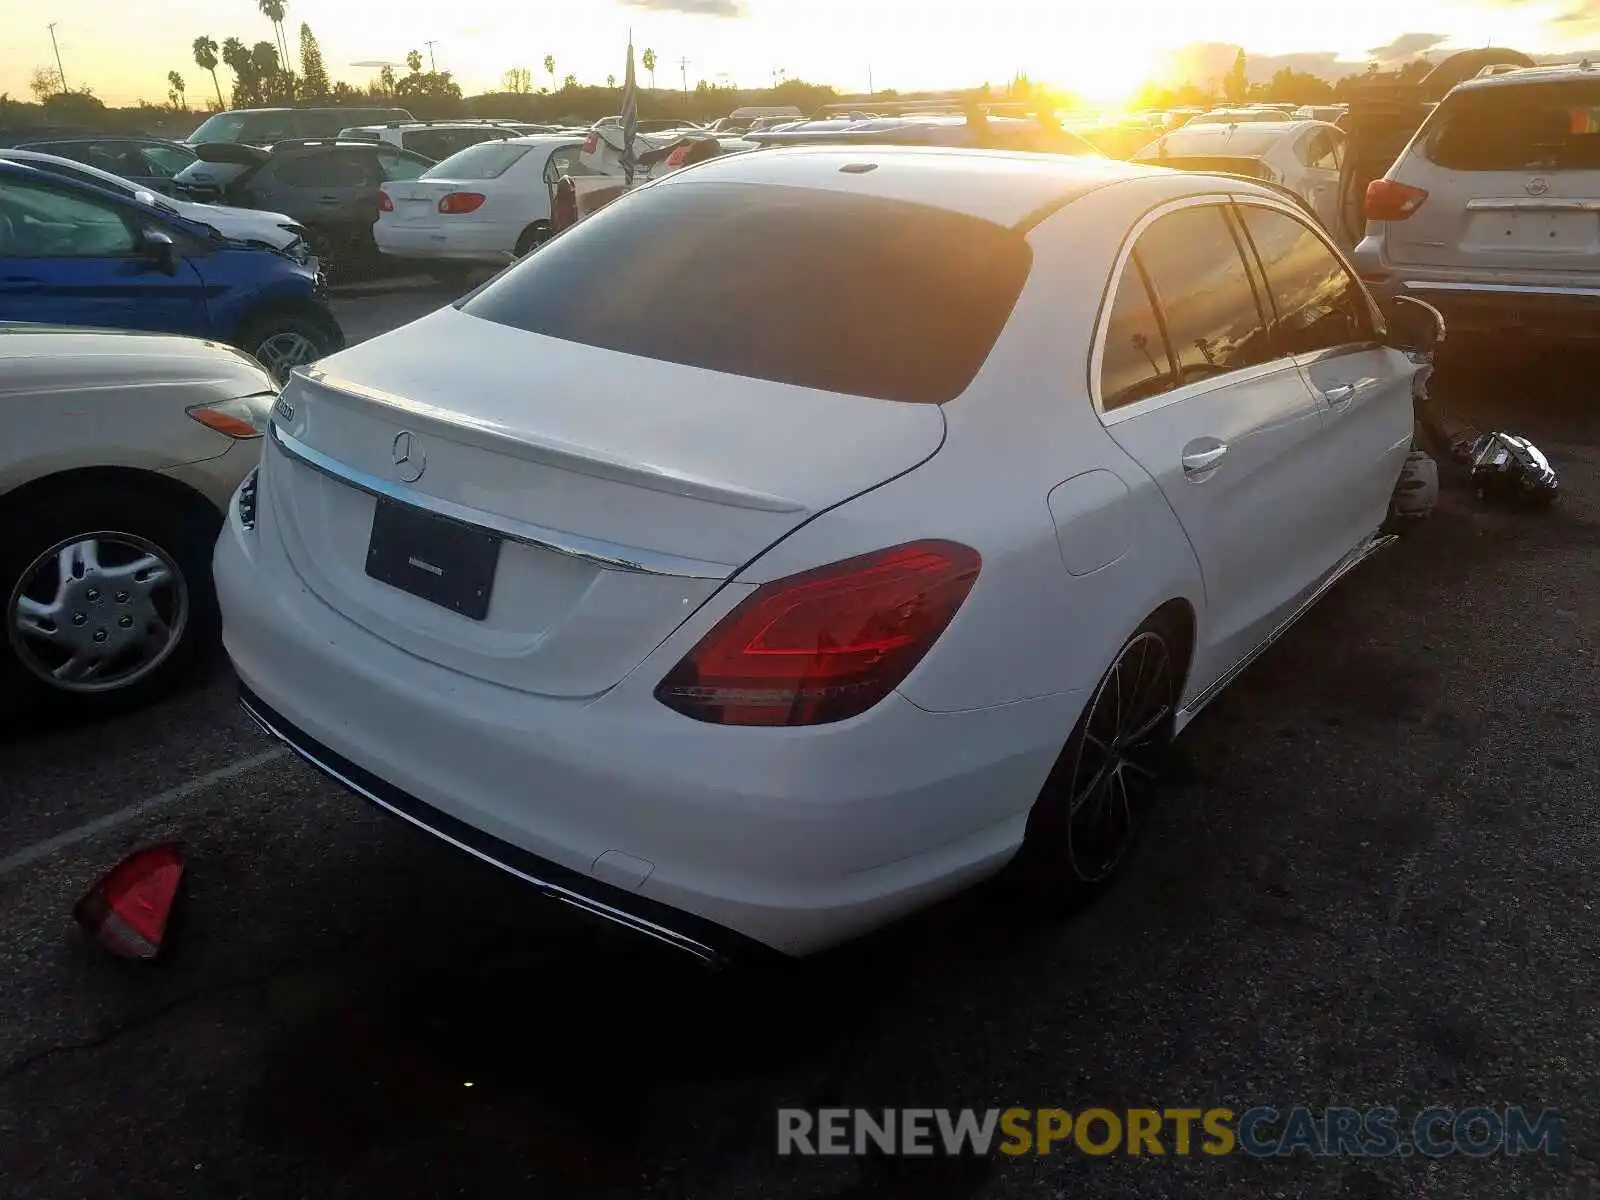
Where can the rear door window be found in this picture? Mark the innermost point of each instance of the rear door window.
(1321, 150)
(1318, 303)
(163, 162)
(1135, 363)
(399, 165)
(1199, 279)
(1529, 127)
(844, 293)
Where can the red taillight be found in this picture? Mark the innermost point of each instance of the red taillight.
(384, 203)
(461, 202)
(1391, 201)
(826, 644)
(591, 143)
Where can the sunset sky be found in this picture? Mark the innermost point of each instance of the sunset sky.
(124, 51)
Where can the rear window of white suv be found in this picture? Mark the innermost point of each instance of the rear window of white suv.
(1527, 127)
(828, 290)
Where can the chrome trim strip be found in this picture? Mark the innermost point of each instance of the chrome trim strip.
(1349, 563)
(608, 555)
(1533, 204)
(635, 924)
(1426, 285)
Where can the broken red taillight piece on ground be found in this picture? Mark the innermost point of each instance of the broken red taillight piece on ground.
(127, 911)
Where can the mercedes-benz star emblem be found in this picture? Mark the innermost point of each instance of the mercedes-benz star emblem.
(1537, 186)
(409, 456)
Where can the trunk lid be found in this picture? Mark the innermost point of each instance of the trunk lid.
(416, 201)
(624, 490)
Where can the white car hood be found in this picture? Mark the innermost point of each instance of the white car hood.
(245, 224)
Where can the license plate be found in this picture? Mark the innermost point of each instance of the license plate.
(433, 558)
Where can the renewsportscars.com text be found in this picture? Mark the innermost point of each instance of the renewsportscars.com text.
(1262, 1132)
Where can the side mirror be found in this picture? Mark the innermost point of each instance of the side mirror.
(160, 250)
(1415, 326)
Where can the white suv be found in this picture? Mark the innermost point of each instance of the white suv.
(1492, 213)
(437, 140)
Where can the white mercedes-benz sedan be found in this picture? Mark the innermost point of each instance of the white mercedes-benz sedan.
(816, 532)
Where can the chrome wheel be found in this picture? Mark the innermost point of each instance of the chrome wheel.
(1114, 774)
(282, 352)
(97, 612)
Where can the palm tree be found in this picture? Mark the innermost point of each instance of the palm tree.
(274, 11)
(648, 59)
(414, 61)
(550, 69)
(175, 90)
(205, 57)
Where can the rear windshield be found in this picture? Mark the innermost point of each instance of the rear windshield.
(1532, 127)
(486, 160)
(827, 290)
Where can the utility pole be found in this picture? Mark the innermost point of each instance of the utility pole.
(60, 74)
(432, 66)
(683, 70)
(871, 91)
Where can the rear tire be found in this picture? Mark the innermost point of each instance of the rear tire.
(106, 597)
(1090, 813)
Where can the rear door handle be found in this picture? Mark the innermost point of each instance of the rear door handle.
(1201, 457)
(1340, 395)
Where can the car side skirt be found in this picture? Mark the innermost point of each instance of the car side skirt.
(1371, 546)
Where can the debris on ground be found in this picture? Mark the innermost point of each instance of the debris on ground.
(1507, 469)
(127, 911)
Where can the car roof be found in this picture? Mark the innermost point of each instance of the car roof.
(21, 170)
(1221, 132)
(1523, 76)
(543, 139)
(427, 125)
(1002, 186)
(27, 154)
(55, 139)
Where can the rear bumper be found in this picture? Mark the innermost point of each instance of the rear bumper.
(711, 943)
(699, 836)
(1478, 303)
(465, 243)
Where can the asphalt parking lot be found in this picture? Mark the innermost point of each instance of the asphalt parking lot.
(1375, 885)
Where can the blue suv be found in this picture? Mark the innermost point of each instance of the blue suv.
(74, 254)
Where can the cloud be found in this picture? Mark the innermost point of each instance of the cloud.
(694, 8)
(1203, 62)
(1407, 46)
(1578, 16)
